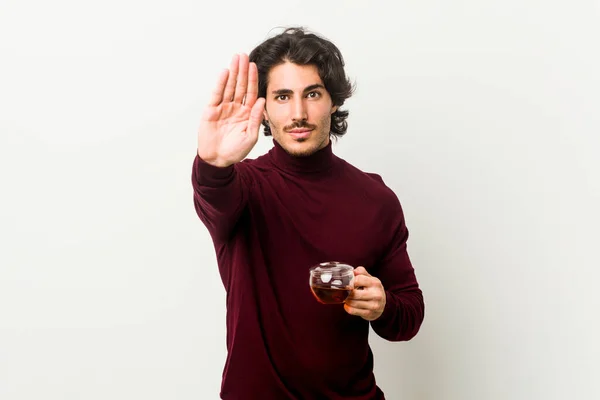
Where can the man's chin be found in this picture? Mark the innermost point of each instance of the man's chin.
(300, 148)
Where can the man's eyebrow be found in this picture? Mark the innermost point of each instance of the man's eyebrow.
(280, 92)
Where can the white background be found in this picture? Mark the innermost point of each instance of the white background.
(483, 116)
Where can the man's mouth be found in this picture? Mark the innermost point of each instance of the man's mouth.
(300, 133)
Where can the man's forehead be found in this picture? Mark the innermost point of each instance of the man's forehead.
(293, 77)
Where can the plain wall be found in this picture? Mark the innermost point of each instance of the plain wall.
(481, 115)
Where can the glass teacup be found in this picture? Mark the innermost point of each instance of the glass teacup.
(331, 282)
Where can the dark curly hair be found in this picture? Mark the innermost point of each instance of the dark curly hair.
(300, 47)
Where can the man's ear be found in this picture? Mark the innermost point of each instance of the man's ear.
(334, 109)
(265, 116)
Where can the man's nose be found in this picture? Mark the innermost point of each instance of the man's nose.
(299, 110)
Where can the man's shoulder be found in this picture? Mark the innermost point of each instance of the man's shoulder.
(367, 176)
(373, 183)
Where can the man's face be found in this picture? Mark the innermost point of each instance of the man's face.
(298, 108)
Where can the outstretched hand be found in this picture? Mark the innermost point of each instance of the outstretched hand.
(231, 121)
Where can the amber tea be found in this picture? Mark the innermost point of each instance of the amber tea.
(327, 294)
(331, 282)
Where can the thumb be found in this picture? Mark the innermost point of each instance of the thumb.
(361, 271)
(256, 116)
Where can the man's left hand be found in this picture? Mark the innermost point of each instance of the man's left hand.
(367, 300)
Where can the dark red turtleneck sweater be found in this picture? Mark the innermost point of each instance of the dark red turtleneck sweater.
(271, 219)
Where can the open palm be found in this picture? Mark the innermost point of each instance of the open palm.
(231, 121)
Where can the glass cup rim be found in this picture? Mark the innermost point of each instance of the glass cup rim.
(328, 266)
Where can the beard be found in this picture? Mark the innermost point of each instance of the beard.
(302, 147)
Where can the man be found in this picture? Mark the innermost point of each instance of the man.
(274, 217)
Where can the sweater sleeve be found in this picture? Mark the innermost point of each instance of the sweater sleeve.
(405, 309)
(220, 196)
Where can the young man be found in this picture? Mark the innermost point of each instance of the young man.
(274, 217)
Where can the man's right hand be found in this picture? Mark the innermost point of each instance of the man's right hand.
(231, 121)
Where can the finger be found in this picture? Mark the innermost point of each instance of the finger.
(357, 311)
(361, 271)
(256, 116)
(252, 93)
(361, 294)
(364, 281)
(242, 80)
(372, 293)
(362, 304)
(231, 81)
(217, 95)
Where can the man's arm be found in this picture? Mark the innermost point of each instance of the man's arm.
(404, 306)
(228, 131)
(220, 196)
(390, 298)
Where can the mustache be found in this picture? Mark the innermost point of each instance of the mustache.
(299, 125)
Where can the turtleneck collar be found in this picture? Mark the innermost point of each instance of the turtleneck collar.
(320, 161)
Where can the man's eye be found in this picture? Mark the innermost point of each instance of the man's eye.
(282, 97)
(314, 94)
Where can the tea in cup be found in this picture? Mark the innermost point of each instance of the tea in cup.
(331, 282)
